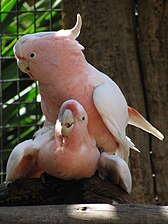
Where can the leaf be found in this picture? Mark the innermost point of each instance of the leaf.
(20, 115)
(6, 6)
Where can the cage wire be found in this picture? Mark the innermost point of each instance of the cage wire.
(20, 110)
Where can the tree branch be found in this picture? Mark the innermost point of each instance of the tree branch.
(50, 190)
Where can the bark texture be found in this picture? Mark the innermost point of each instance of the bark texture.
(153, 56)
(50, 190)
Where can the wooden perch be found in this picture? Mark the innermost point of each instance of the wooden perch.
(85, 213)
(50, 190)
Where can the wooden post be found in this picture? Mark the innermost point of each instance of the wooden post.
(85, 213)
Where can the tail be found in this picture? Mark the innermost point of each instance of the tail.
(136, 119)
(115, 169)
(123, 150)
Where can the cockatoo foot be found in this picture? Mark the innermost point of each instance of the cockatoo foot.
(43, 178)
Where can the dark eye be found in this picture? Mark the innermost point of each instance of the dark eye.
(32, 55)
(83, 118)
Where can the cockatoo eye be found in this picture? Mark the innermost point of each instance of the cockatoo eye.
(83, 118)
(32, 55)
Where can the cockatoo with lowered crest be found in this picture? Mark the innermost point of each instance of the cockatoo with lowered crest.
(56, 60)
(67, 151)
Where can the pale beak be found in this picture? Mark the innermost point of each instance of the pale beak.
(23, 65)
(67, 122)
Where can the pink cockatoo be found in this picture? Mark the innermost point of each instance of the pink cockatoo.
(67, 151)
(56, 60)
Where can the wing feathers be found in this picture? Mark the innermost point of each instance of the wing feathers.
(136, 119)
(115, 169)
(21, 161)
(113, 109)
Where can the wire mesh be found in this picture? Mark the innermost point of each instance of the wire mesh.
(20, 111)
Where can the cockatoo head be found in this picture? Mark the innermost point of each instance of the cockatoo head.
(43, 54)
(72, 117)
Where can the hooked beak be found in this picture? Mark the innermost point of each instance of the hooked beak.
(67, 123)
(23, 65)
(21, 62)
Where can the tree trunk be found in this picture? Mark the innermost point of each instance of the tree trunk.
(153, 53)
(111, 39)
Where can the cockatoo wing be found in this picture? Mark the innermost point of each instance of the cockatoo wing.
(115, 169)
(136, 119)
(22, 161)
(113, 109)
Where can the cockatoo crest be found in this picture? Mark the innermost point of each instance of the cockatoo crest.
(75, 31)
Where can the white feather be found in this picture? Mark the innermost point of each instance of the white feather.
(136, 119)
(112, 106)
(28, 147)
(23, 149)
(115, 169)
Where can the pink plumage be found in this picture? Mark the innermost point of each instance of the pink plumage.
(64, 150)
(56, 60)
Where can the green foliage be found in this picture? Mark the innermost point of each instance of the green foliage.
(20, 113)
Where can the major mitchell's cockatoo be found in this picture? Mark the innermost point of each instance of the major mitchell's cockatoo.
(56, 60)
(67, 151)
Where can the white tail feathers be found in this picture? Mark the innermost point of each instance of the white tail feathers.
(124, 148)
(115, 169)
(136, 119)
(131, 144)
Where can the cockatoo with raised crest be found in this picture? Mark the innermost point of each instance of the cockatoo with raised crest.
(67, 151)
(56, 60)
